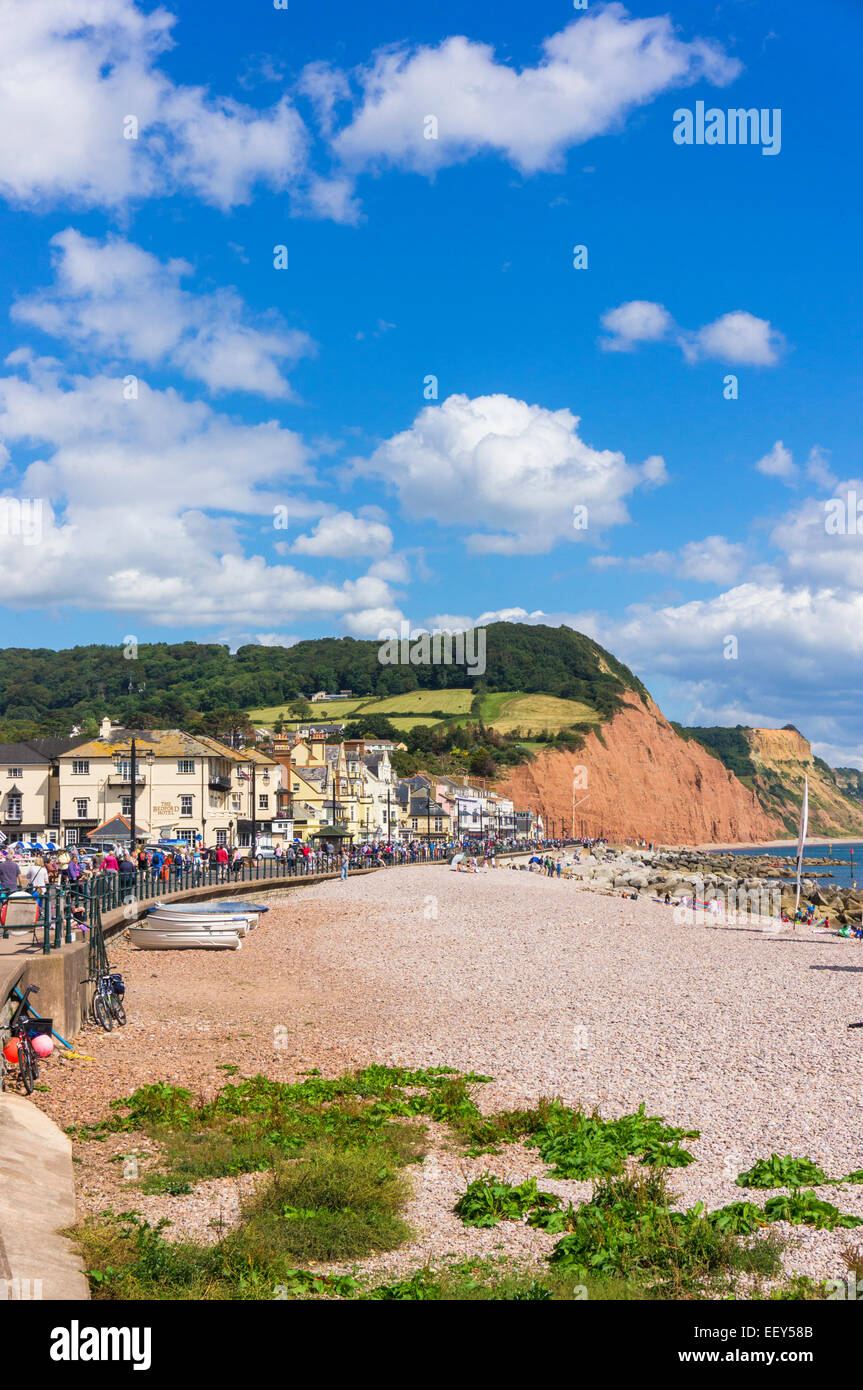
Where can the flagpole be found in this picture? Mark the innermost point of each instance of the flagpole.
(801, 839)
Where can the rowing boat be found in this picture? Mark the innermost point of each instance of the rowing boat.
(159, 939)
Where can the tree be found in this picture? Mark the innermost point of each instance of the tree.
(482, 764)
(372, 726)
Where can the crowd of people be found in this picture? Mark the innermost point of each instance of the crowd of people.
(82, 874)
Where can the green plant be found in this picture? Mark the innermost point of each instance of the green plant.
(782, 1172)
(489, 1199)
(631, 1231)
(586, 1146)
(805, 1209)
(743, 1218)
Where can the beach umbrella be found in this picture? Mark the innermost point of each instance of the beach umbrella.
(801, 837)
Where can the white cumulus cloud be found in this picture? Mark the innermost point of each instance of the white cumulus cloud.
(345, 536)
(511, 472)
(738, 338)
(115, 299)
(777, 462)
(592, 74)
(71, 74)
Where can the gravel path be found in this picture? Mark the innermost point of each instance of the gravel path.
(546, 987)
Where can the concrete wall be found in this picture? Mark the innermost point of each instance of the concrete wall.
(61, 995)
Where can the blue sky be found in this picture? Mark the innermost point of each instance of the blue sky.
(260, 390)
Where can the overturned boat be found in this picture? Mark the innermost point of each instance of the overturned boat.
(176, 918)
(174, 938)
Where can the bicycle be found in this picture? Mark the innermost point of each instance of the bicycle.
(106, 1006)
(20, 1024)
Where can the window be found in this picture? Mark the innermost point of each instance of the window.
(245, 838)
(296, 786)
(55, 813)
(16, 772)
(72, 836)
(185, 806)
(81, 767)
(263, 801)
(187, 835)
(13, 808)
(221, 837)
(81, 804)
(185, 765)
(125, 805)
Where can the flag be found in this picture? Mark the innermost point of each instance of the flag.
(801, 838)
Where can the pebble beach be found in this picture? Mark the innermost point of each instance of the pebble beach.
(544, 985)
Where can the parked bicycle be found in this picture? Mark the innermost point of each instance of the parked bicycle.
(106, 1006)
(24, 1026)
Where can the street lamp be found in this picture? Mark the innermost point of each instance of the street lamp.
(133, 772)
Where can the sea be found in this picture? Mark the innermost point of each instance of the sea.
(848, 874)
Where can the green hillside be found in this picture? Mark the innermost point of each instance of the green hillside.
(200, 684)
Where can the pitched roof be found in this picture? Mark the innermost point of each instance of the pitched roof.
(19, 754)
(164, 743)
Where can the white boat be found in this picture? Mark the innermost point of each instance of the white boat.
(229, 905)
(169, 916)
(159, 939)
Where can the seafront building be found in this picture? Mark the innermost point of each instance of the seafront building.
(198, 789)
(30, 787)
(187, 787)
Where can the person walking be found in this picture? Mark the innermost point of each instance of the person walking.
(222, 862)
(10, 874)
(343, 864)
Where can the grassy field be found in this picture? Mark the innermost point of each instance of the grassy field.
(504, 710)
(325, 712)
(420, 701)
(534, 713)
(452, 702)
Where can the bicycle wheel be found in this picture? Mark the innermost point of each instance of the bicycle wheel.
(26, 1064)
(101, 1012)
(115, 1004)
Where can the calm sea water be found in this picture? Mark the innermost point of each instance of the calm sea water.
(845, 875)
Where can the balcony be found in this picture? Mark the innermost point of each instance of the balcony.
(219, 784)
(124, 779)
(13, 817)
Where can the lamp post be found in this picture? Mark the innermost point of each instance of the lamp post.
(254, 801)
(133, 771)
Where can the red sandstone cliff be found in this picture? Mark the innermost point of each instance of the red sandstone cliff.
(646, 781)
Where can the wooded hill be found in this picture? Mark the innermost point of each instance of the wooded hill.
(168, 684)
